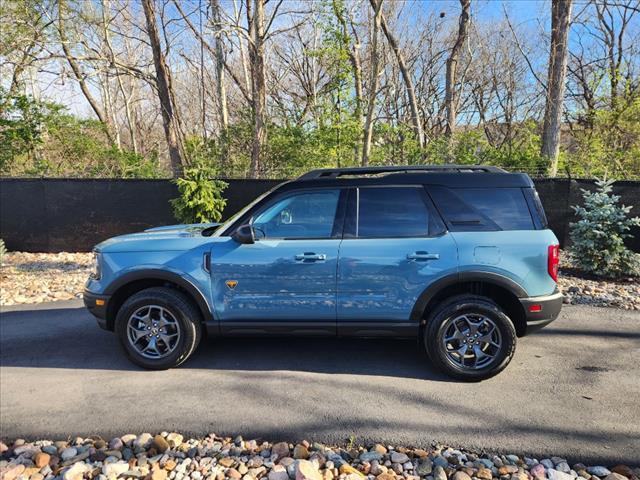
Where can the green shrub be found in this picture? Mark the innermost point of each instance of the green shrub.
(598, 237)
(200, 199)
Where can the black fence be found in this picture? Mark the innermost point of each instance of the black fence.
(53, 215)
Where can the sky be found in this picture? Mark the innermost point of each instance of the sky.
(532, 14)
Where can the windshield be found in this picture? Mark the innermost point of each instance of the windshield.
(223, 228)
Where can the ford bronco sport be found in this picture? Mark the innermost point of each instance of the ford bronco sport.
(460, 257)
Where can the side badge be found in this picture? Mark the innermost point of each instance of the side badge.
(231, 284)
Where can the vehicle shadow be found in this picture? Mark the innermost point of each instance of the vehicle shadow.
(70, 338)
(600, 333)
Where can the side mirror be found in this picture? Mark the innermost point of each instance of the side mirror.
(244, 234)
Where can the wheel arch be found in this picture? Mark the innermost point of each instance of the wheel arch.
(130, 283)
(502, 290)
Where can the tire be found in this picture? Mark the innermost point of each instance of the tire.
(460, 318)
(180, 317)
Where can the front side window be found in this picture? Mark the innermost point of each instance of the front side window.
(301, 215)
(390, 212)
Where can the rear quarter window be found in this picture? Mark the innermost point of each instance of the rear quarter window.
(483, 209)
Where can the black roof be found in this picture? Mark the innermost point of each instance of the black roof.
(454, 176)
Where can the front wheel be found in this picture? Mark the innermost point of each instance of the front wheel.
(470, 338)
(158, 328)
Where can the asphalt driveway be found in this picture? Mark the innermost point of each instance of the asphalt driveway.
(572, 390)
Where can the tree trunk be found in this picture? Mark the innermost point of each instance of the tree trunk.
(243, 57)
(109, 107)
(560, 20)
(356, 67)
(79, 74)
(223, 113)
(255, 19)
(373, 85)
(406, 77)
(451, 101)
(165, 94)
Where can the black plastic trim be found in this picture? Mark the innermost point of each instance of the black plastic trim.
(156, 274)
(293, 328)
(469, 276)
(327, 173)
(98, 311)
(551, 306)
(378, 329)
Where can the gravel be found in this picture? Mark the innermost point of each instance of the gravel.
(580, 289)
(45, 277)
(168, 456)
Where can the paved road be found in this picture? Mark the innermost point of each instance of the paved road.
(573, 389)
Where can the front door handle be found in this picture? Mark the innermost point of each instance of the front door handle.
(311, 257)
(423, 256)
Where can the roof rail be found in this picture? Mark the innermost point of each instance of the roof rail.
(339, 172)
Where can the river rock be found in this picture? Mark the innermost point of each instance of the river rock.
(305, 470)
(41, 459)
(280, 449)
(398, 457)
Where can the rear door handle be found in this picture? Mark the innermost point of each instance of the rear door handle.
(423, 256)
(311, 257)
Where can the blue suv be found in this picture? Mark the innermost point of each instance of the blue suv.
(459, 257)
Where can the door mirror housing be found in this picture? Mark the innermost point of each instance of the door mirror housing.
(244, 234)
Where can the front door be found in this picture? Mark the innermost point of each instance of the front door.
(285, 282)
(395, 245)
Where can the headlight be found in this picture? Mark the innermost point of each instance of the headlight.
(96, 270)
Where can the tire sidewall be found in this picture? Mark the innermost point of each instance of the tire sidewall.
(184, 346)
(438, 352)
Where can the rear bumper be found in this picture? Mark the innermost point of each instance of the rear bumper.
(97, 306)
(546, 310)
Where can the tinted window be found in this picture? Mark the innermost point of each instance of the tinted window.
(535, 205)
(478, 209)
(302, 215)
(392, 212)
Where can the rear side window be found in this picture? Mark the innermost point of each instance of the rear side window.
(535, 205)
(391, 212)
(483, 209)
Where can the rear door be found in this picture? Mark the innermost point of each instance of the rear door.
(395, 245)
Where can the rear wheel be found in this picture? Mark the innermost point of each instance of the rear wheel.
(158, 328)
(470, 337)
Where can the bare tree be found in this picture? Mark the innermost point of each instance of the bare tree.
(256, 23)
(106, 5)
(451, 100)
(373, 83)
(219, 56)
(165, 92)
(406, 76)
(354, 59)
(79, 74)
(560, 20)
(611, 30)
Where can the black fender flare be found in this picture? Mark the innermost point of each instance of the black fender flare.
(168, 276)
(462, 277)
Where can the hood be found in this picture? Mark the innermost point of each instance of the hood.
(184, 227)
(166, 238)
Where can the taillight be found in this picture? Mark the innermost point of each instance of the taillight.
(553, 261)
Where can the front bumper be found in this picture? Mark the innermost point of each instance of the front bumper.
(97, 306)
(541, 311)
